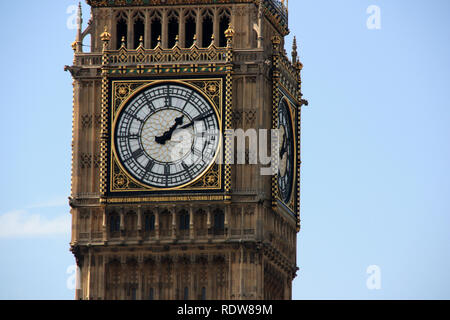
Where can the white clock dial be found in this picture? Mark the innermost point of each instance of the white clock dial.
(167, 135)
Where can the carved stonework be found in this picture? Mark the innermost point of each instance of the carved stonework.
(225, 234)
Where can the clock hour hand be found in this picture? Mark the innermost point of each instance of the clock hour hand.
(168, 135)
(199, 118)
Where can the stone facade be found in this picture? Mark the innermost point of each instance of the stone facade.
(242, 247)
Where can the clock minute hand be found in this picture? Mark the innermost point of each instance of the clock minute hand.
(168, 135)
(199, 118)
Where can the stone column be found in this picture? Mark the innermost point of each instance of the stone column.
(182, 29)
(139, 223)
(227, 221)
(105, 225)
(191, 223)
(140, 273)
(165, 29)
(157, 230)
(208, 223)
(216, 27)
(130, 30)
(148, 30)
(123, 270)
(174, 222)
(102, 278)
(199, 27)
(122, 223)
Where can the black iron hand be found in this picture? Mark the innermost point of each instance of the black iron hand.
(199, 118)
(284, 147)
(168, 135)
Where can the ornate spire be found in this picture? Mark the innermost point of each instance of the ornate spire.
(78, 44)
(294, 51)
(79, 19)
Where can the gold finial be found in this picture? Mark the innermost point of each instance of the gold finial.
(177, 39)
(105, 36)
(74, 46)
(212, 40)
(159, 42)
(229, 33)
(123, 42)
(141, 41)
(276, 40)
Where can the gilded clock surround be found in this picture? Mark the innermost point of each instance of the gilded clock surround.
(122, 92)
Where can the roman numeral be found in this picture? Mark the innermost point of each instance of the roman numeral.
(168, 97)
(197, 152)
(149, 104)
(167, 173)
(149, 166)
(186, 168)
(138, 153)
(128, 136)
(134, 117)
(188, 100)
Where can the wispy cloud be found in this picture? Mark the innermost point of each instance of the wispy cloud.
(27, 224)
(54, 203)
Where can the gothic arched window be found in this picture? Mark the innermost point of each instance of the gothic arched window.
(139, 29)
(190, 28)
(149, 222)
(207, 28)
(114, 223)
(219, 221)
(156, 28)
(203, 297)
(224, 23)
(173, 28)
(121, 29)
(184, 220)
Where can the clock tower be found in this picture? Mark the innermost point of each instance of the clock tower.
(162, 206)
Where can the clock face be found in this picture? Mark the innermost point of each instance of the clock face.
(167, 136)
(286, 169)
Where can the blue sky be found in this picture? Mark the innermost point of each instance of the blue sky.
(376, 152)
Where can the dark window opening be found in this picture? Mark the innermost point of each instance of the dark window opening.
(133, 294)
(114, 223)
(186, 293)
(150, 222)
(219, 221)
(139, 30)
(156, 32)
(121, 31)
(224, 23)
(173, 32)
(191, 27)
(208, 29)
(184, 221)
(203, 294)
(151, 295)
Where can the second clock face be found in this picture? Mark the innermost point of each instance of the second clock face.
(167, 136)
(286, 169)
